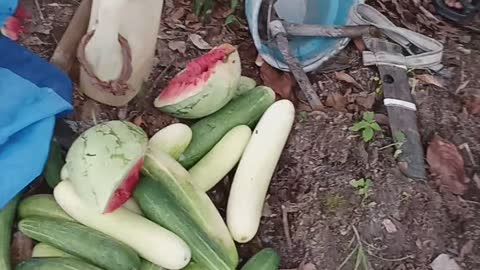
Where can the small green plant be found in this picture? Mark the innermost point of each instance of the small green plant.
(302, 116)
(363, 186)
(399, 139)
(367, 126)
(202, 7)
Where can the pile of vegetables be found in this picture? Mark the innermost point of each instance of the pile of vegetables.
(129, 202)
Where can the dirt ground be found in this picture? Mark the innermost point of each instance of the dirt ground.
(312, 211)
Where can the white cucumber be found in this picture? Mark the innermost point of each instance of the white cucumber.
(221, 159)
(151, 241)
(173, 140)
(255, 170)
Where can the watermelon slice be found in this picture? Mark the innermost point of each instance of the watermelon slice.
(104, 163)
(206, 84)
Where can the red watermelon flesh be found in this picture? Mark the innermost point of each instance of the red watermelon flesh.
(196, 73)
(125, 190)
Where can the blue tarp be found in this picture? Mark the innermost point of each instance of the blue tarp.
(32, 94)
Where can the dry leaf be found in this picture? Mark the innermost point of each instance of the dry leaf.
(199, 42)
(367, 101)
(178, 46)
(21, 248)
(342, 76)
(447, 165)
(427, 78)
(337, 101)
(389, 226)
(359, 44)
(177, 14)
(282, 83)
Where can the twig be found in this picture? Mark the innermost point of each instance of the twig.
(469, 201)
(469, 152)
(160, 76)
(392, 260)
(286, 226)
(39, 11)
(347, 258)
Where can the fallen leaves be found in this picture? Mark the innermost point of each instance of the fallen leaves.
(281, 82)
(447, 165)
(179, 46)
(337, 101)
(350, 102)
(342, 76)
(199, 42)
(429, 79)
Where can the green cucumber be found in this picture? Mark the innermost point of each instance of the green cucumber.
(245, 110)
(246, 84)
(54, 165)
(7, 215)
(55, 264)
(159, 205)
(194, 266)
(42, 250)
(176, 179)
(146, 265)
(266, 259)
(92, 246)
(41, 205)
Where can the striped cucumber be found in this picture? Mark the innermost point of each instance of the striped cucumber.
(160, 206)
(41, 205)
(42, 250)
(7, 215)
(85, 243)
(266, 259)
(55, 264)
(245, 110)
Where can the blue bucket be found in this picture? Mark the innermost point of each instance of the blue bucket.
(311, 51)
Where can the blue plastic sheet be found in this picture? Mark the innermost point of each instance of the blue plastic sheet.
(32, 94)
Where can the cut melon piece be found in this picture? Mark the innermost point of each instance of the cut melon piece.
(104, 163)
(206, 85)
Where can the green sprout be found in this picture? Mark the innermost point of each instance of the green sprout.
(363, 186)
(367, 126)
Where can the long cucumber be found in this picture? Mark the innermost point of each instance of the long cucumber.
(160, 206)
(221, 159)
(255, 170)
(41, 205)
(85, 243)
(149, 240)
(7, 215)
(55, 264)
(245, 110)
